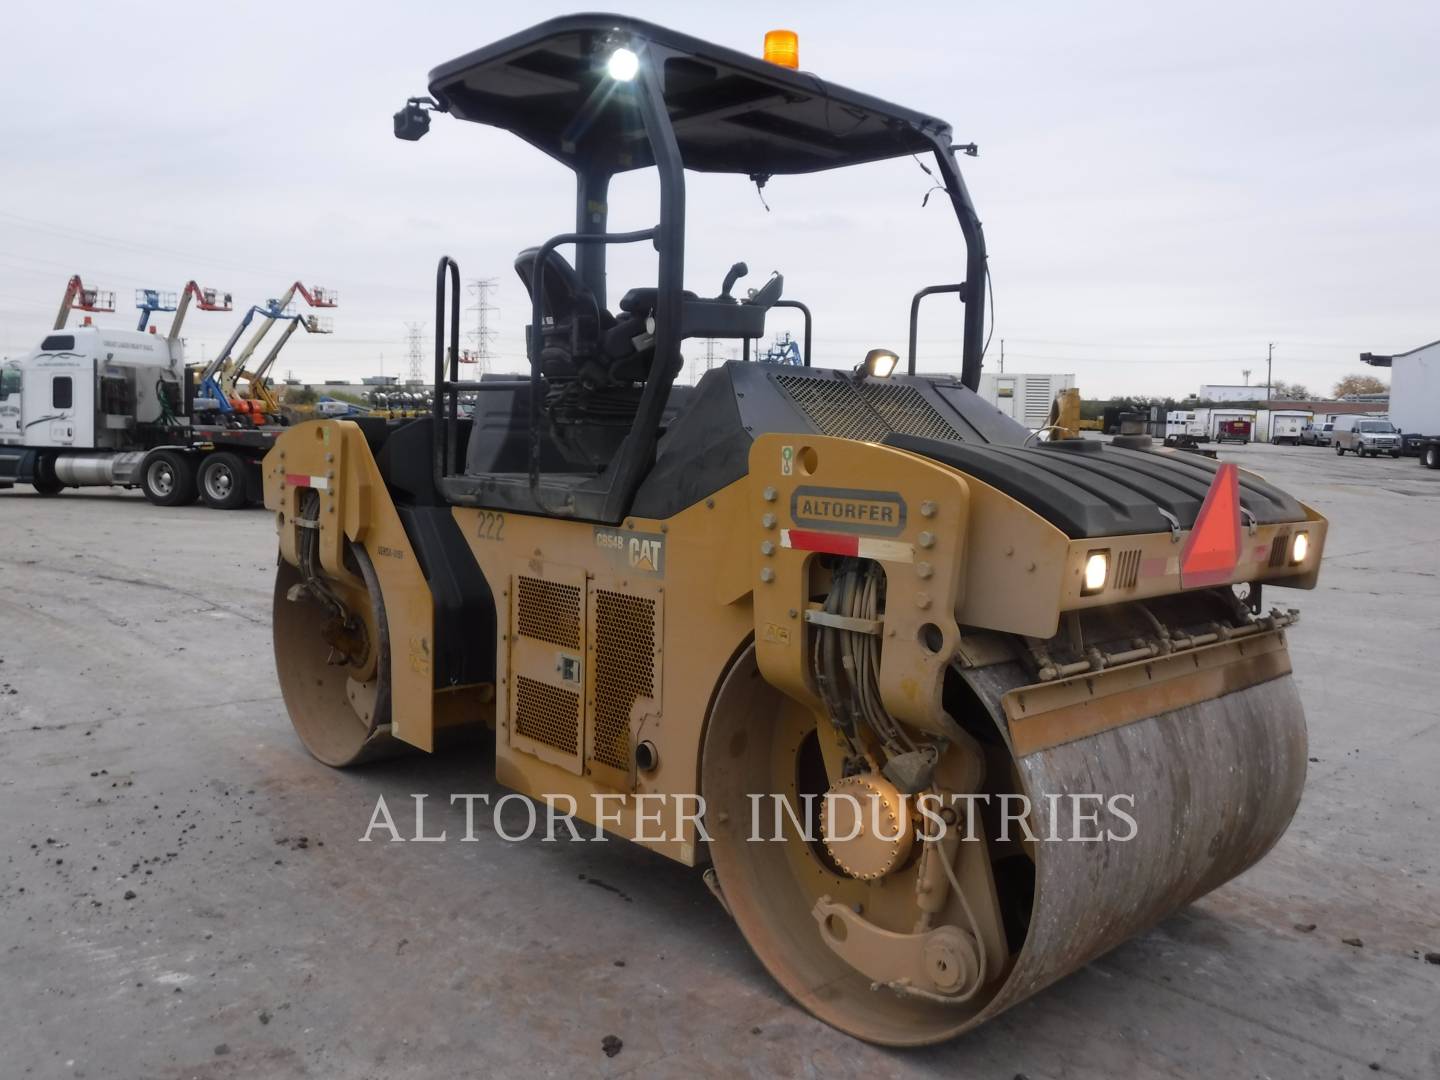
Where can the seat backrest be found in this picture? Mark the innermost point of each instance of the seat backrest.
(566, 297)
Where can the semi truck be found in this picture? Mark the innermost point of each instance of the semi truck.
(101, 407)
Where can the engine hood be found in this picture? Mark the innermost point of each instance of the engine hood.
(1088, 488)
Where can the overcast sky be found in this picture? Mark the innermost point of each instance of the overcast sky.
(1165, 190)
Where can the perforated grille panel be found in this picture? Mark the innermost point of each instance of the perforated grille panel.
(624, 671)
(548, 611)
(547, 714)
(905, 409)
(1279, 547)
(1127, 569)
(867, 411)
(835, 408)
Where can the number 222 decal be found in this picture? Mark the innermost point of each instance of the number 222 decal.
(492, 526)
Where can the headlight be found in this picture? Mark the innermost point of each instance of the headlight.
(1097, 569)
(1299, 548)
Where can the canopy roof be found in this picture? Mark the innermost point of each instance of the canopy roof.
(731, 112)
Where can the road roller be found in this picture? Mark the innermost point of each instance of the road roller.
(940, 707)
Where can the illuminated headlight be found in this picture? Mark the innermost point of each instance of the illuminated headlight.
(1097, 569)
(1299, 548)
(622, 65)
(878, 364)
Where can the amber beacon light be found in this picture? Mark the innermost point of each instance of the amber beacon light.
(783, 47)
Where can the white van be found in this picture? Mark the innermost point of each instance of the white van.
(1366, 436)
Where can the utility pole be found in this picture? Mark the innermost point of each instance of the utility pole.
(1002, 356)
(415, 341)
(482, 338)
(1246, 373)
(1269, 358)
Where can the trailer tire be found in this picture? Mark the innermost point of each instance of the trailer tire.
(224, 481)
(167, 478)
(1431, 458)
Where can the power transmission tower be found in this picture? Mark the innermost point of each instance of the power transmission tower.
(1246, 373)
(482, 338)
(415, 340)
(710, 358)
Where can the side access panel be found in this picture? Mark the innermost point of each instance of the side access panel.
(633, 596)
(585, 665)
(622, 702)
(545, 707)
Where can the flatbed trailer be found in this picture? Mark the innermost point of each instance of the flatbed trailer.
(219, 466)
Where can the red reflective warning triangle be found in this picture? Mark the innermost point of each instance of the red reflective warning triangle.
(1213, 547)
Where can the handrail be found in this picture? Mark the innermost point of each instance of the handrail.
(797, 305)
(444, 405)
(977, 269)
(929, 290)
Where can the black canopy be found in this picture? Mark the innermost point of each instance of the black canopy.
(731, 112)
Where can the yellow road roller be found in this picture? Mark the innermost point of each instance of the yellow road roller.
(946, 707)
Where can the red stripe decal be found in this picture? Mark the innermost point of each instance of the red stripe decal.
(829, 543)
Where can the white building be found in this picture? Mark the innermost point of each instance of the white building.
(1414, 388)
(1024, 397)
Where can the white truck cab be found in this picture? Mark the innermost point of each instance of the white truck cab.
(88, 388)
(82, 407)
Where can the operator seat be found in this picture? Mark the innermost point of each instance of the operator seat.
(595, 364)
(571, 318)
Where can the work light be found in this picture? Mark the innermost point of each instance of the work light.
(1097, 569)
(1299, 548)
(622, 65)
(878, 364)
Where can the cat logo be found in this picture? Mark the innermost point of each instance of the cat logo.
(644, 552)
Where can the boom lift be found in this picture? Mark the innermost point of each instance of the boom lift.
(821, 599)
(316, 297)
(153, 300)
(150, 301)
(218, 383)
(78, 298)
(257, 386)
